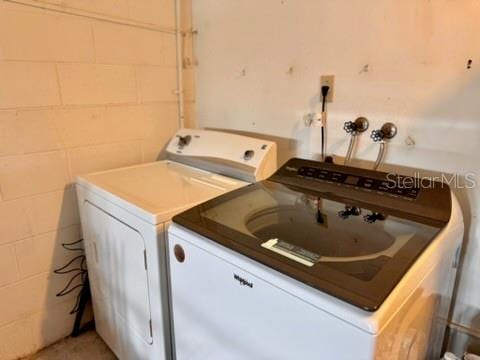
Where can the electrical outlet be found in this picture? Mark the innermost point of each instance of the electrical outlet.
(327, 80)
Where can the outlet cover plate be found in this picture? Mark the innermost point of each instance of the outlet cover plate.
(327, 80)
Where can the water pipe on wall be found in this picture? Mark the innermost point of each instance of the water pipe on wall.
(387, 132)
(179, 63)
(354, 128)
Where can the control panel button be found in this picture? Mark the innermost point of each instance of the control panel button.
(247, 155)
(183, 140)
(383, 187)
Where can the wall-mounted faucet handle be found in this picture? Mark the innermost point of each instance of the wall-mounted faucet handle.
(354, 128)
(377, 135)
(388, 131)
(358, 126)
(374, 216)
(349, 127)
(349, 211)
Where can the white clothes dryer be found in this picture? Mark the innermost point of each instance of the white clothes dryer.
(125, 214)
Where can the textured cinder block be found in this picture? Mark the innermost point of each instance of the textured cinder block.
(158, 12)
(54, 210)
(22, 298)
(36, 132)
(8, 265)
(113, 8)
(85, 160)
(14, 222)
(117, 44)
(69, 104)
(96, 125)
(162, 123)
(33, 174)
(30, 34)
(97, 84)
(169, 50)
(30, 296)
(44, 252)
(156, 83)
(9, 144)
(17, 340)
(25, 84)
(53, 323)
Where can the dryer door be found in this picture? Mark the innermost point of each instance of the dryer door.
(119, 275)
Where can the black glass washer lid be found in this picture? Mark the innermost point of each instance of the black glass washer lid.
(354, 260)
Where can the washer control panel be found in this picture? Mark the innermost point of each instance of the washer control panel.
(420, 199)
(394, 187)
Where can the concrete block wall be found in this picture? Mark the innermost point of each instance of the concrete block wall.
(84, 86)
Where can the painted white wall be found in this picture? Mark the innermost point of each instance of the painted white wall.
(259, 64)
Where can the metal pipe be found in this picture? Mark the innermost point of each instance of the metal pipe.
(351, 146)
(381, 152)
(387, 132)
(354, 128)
(67, 10)
(179, 44)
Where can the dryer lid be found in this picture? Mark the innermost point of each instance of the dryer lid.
(157, 191)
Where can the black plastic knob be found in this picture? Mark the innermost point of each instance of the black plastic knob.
(247, 155)
(350, 127)
(349, 211)
(184, 140)
(373, 217)
(377, 135)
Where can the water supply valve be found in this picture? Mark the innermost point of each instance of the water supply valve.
(373, 217)
(349, 211)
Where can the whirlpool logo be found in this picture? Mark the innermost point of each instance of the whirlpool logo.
(242, 281)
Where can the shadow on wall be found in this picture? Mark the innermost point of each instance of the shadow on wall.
(454, 121)
(64, 288)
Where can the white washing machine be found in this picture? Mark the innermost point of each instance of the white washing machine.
(320, 261)
(125, 214)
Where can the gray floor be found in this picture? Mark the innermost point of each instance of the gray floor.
(86, 346)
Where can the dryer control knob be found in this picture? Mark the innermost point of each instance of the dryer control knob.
(247, 155)
(184, 140)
